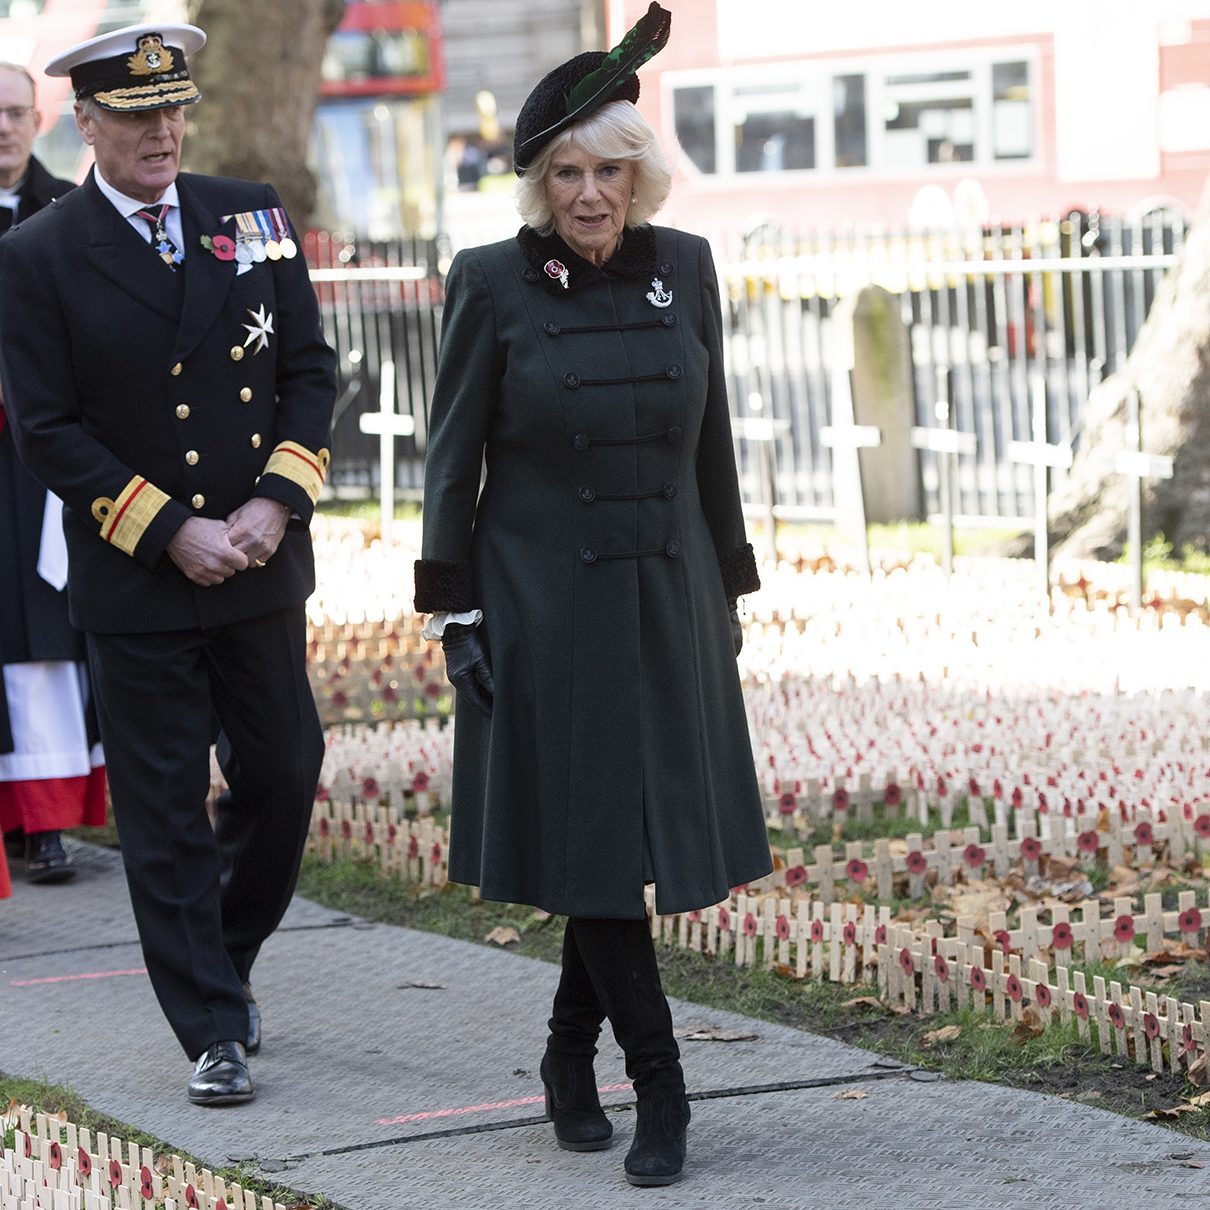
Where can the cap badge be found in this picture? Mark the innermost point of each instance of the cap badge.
(657, 296)
(557, 270)
(152, 59)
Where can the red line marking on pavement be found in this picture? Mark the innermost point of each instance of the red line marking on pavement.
(73, 978)
(429, 1115)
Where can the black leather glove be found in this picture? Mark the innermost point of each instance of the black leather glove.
(737, 631)
(467, 665)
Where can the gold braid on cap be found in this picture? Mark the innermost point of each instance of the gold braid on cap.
(136, 98)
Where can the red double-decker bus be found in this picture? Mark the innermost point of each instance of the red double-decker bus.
(378, 134)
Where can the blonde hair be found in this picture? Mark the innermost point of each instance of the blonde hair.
(616, 131)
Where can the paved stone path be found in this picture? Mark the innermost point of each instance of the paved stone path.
(399, 1070)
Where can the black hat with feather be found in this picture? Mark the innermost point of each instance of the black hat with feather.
(576, 88)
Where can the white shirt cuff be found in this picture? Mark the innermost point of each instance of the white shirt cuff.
(434, 628)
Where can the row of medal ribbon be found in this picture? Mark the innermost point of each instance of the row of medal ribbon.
(261, 234)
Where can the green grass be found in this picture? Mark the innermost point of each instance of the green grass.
(1057, 1061)
(368, 509)
(903, 537)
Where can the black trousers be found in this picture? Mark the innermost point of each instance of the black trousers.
(205, 898)
(610, 972)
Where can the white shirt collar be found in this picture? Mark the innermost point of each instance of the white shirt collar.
(127, 206)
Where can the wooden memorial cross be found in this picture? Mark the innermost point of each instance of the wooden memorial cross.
(388, 424)
(846, 440)
(1041, 455)
(765, 430)
(947, 444)
(1139, 466)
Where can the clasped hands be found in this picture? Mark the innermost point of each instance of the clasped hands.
(209, 551)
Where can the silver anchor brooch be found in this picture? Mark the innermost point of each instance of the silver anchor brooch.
(657, 296)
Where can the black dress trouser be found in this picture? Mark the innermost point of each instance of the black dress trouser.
(610, 971)
(205, 897)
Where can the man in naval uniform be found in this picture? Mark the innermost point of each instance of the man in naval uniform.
(51, 775)
(163, 364)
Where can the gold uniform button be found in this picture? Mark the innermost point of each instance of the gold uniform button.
(176, 369)
(256, 441)
(182, 411)
(191, 457)
(237, 353)
(198, 500)
(246, 394)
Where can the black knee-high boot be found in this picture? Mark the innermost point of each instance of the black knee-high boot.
(620, 959)
(567, 1073)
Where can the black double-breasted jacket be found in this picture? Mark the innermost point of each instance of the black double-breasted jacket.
(143, 396)
(33, 615)
(603, 550)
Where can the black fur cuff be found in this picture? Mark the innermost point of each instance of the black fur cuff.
(739, 572)
(443, 587)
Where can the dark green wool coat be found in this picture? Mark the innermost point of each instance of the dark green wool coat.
(602, 551)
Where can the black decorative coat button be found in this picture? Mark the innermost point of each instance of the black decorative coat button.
(581, 441)
(673, 436)
(530, 275)
(673, 372)
(673, 550)
(669, 321)
(551, 328)
(587, 494)
(588, 555)
(666, 267)
(669, 490)
(571, 380)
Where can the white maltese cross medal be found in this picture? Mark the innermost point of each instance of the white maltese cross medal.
(657, 296)
(260, 329)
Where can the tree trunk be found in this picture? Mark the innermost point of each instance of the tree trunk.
(1169, 366)
(259, 75)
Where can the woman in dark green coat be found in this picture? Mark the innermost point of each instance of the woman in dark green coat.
(586, 597)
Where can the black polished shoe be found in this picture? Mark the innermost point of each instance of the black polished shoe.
(657, 1153)
(45, 858)
(253, 1043)
(221, 1076)
(572, 1103)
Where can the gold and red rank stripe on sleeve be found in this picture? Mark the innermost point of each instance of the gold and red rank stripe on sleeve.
(125, 520)
(296, 463)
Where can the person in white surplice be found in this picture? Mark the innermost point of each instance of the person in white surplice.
(51, 773)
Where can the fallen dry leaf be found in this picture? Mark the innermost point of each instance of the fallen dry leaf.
(1162, 973)
(947, 1033)
(864, 1002)
(851, 1094)
(712, 1033)
(980, 900)
(1202, 1098)
(503, 934)
(1197, 1074)
(1170, 1113)
(1089, 1094)
(1030, 1026)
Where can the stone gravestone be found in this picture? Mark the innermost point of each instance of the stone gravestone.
(883, 398)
